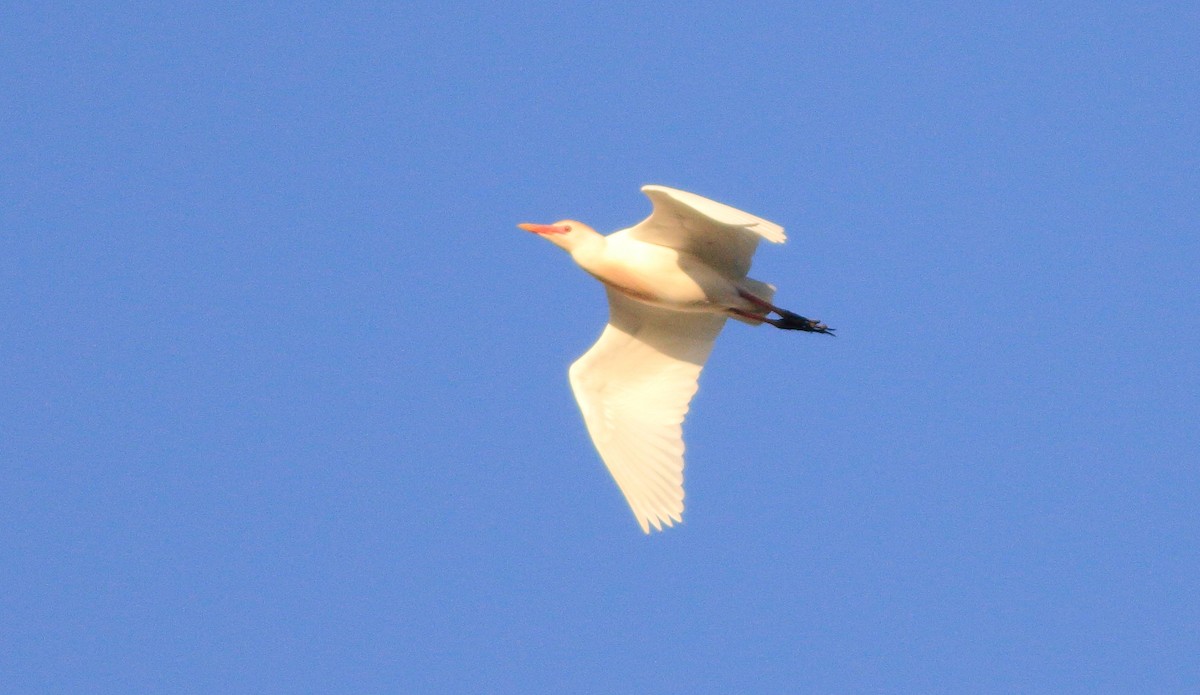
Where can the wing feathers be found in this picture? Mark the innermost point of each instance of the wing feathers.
(719, 213)
(723, 237)
(634, 387)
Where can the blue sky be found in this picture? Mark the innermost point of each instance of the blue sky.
(285, 390)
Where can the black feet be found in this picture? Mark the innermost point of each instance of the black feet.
(795, 322)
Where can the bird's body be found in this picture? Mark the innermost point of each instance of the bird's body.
(657, 275)
(672, 281)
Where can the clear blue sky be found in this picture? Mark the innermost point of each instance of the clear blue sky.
(284, 390)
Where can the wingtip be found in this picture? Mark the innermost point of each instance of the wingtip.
(659, 523)
(773, 234)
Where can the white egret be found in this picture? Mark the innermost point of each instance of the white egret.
(672, 280)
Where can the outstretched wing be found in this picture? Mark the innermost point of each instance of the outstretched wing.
(723, 237)
(633, 387)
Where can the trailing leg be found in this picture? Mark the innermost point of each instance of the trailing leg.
(795, 322)
(787, 320)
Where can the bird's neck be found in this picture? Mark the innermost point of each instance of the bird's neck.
(589, 252)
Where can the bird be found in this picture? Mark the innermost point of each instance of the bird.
(672, 281)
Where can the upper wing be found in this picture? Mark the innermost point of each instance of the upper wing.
(634, 386)
(721, 236)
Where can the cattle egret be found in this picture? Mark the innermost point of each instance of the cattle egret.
(672, 280)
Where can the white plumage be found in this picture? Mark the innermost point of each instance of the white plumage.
(672, 280)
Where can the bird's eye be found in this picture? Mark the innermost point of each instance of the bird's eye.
(566, 227)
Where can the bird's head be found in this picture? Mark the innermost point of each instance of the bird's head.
(567, 234)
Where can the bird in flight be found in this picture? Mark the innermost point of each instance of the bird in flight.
(672, 280)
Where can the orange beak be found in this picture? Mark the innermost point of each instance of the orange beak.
(543, 228)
